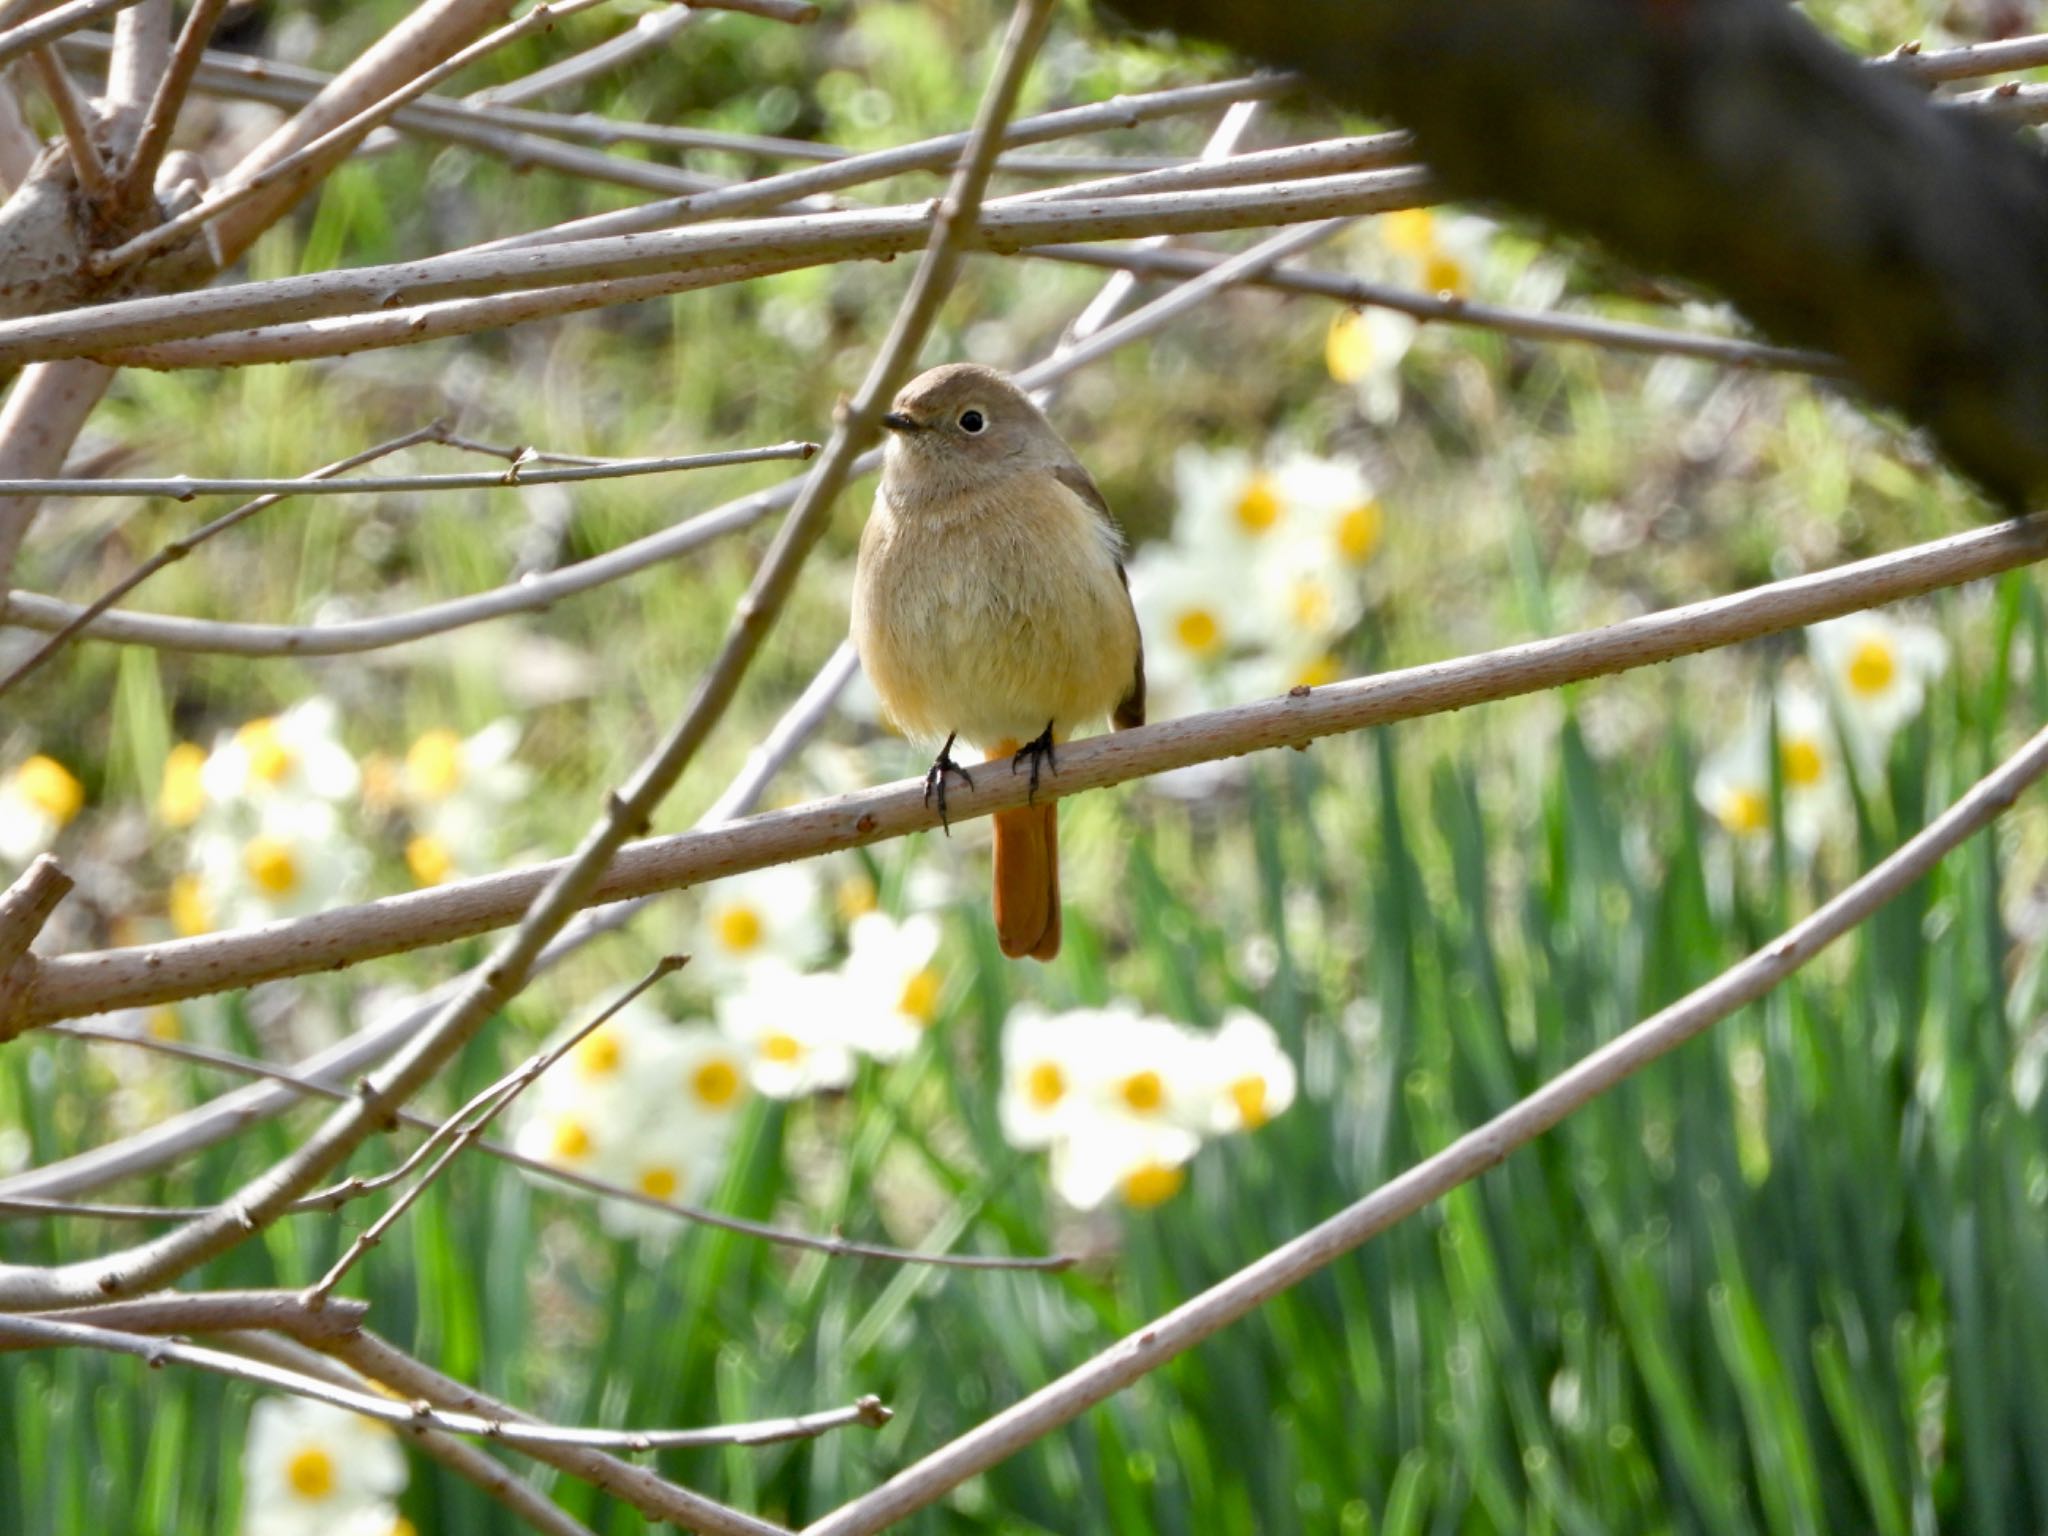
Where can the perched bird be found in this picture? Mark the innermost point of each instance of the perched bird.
(990, 606)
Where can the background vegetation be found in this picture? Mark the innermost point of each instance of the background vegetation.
(1793, 1280)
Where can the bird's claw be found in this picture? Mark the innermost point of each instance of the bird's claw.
(1036, 751)
(935, 780)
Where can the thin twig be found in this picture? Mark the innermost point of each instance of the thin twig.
(1938, 64)
(1535, 325)
(463, 1129)
(53, 24)
(380, 1361)
(467, 1461)
(302, 162)
(86, 161)
(299, 1083)
(187, 487)
(178, 549)
(647, 33)
(48, 1333)
(1465, 1159)
(69, 986)
(223, 1311)
(138, 177)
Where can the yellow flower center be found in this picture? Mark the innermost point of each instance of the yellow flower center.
(1198, 631)
(182, 797)
(429, 860)
(1258, 508)
(716, 1083)
(1152, 1184)
(856, 897)
(269, 758)
(1358, 532)
(48, 785)
(920, 999)
(1249, 1095)
(270, 864)
(1319, 673)
(572, 1141)
(782, 1047)
(661, 1183)
(1143, 1091)
(599, 1055)
(1872, 667)
(1347, 350)
(310, 1473)
(1410, 231)
(190, 912)
(402, 1527)
(1800, 760)
(433, 764)
(739, 928)
(1744, 811)
(163, 1024)
(1311, 604)
(1045, 1085)
(1442, 273)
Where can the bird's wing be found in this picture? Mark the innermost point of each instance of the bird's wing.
(1130, 710)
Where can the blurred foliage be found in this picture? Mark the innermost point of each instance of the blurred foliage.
(1791, 1280)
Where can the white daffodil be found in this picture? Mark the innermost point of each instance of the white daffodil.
(1142, 1161)
(1734, 782)
(628, 1057)
(1435, 252)
(1192, 609)
(892, 983)
(1226, 504)
(457, 791)
(182, 798)
(312, 1470)
(295, 755)
(791, 1028)
(673, 1158)
(1044, 1063)
(1142, 1068)
(769, 916)
(289, 858)
(1302, 601)
(1336, 508)
(1247, 1078)
(1364, 349)
(37, 801)
(1877, 669)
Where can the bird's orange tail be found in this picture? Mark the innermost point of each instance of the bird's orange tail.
(1027, 881)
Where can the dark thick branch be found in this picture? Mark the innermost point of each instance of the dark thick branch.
(1727, 142)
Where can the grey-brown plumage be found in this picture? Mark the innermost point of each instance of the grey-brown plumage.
(990, 603)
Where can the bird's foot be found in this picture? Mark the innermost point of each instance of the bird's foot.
(1037, 750)
(935, 780)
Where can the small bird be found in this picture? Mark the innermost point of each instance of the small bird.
(990, 605)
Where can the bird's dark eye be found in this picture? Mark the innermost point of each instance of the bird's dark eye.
(971, 421)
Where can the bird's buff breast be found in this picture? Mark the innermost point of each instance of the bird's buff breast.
(992, 616)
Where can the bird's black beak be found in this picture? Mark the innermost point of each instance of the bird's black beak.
(896, 421)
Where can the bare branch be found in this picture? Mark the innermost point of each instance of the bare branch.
(1448, 309)
(86, 162)
(1939, 64)
(322, 1201)
(178, 549)
(647, 33)
(53, 24)
(461, 1129)
(45, 1332)
(24, 907)
(139, 175)
(465, 1460)
(186, 487)
(18, 146)
(309, 161)
(221, 1312)
(383, 1362)
(44, 410)
(68, 986)
(1463, 1160)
